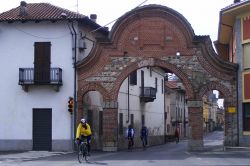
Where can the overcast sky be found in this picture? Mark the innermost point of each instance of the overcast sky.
(203, 15)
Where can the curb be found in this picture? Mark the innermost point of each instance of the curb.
(236, 148)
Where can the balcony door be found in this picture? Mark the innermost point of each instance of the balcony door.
(42, 63)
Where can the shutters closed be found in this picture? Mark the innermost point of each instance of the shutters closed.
(42, 129)
(42, 62)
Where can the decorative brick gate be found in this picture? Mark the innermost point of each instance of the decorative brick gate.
(151, 36)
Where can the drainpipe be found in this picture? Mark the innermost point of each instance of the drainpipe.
(128, 102)
(73, 122)
(165, 113)
(184, 116)
(237, 105)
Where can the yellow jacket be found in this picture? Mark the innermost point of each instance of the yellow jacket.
(82, 131)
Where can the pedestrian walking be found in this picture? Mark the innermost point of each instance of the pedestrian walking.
(144, 136)
(130, 136)
(177, 135)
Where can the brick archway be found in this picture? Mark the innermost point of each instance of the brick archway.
(225, 92)
(153, 62)
(84, 89)
(151, 36)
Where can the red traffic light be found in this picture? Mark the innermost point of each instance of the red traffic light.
(71, 105)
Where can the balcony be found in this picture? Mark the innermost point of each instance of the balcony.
(28, 77)
(148, 94)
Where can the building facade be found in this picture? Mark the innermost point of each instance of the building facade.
(233, 45)
(141, 102)
(176, 109)
(40, 45)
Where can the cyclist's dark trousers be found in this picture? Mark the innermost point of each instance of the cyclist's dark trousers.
(88, 141)
(145, 139)
(132, 140)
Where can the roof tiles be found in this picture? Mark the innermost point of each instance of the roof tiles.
(39, 11)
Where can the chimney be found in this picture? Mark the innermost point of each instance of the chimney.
(23, 9)
(93, 17)
(236, 1)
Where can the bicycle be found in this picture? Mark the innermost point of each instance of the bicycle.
(82, 151)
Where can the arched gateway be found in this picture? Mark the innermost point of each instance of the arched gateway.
(151, 36)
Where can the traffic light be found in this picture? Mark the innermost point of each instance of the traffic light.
(71, 105)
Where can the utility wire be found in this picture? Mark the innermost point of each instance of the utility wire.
(116, 18)
(27, 33)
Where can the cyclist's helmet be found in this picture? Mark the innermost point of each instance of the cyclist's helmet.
(83, 120)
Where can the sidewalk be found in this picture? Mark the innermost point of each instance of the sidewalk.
(236, 148)
(214, 141)
(27, 155)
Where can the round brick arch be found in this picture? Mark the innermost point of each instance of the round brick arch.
(92, 86)
(225, 92)
(153, 63)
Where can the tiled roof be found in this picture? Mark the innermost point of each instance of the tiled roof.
(171, 84)
(39, 12)
(235, 5)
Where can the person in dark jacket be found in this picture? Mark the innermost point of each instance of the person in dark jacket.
(130, 134)
(144, 136)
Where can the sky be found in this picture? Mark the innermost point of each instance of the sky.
(203, 15)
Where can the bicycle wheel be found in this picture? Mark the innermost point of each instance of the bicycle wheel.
(81, 154)
(85, 152)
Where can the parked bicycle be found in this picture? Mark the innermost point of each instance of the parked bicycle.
(82, 151)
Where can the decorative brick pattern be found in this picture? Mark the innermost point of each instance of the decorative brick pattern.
(151, 36)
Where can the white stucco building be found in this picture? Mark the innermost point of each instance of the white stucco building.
(176, 108)
(137, 107)
(40, 43)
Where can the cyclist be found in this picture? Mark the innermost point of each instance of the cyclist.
(130, 135)
(144, 135)
(84, 132)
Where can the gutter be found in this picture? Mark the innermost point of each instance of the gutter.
(128, 102)
(75, 103)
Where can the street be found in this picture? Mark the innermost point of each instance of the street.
(169, 154)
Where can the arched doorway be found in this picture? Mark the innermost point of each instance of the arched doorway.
(155, 36)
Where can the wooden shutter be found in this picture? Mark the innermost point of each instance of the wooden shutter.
(42, 63)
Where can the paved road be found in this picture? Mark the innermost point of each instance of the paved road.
(169, 154)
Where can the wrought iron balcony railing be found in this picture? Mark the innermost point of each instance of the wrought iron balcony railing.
(28, 76)
(148, 94)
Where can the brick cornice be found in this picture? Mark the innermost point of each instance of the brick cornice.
(213, 63)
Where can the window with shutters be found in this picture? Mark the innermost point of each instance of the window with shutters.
(246, 56)
(246, 116)
(42, 73)
(133, 78)
(121, 123)
(42, 62)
